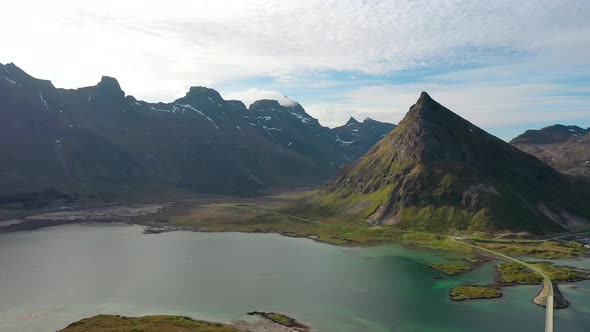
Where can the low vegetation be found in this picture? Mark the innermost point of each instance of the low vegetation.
(537, 249)
(338, 221)
(115, 323)
(279, 318)
(280, 215)
(518, 273)
(436, 242)
(450, 269)
(472, 292)
(560, 273)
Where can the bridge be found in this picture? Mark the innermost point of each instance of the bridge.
(547, 291)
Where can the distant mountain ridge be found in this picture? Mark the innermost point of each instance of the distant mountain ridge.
(97, 141)
(356, 138)
(566, 148)
(437, 172)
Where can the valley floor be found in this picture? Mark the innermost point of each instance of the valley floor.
(288, 214)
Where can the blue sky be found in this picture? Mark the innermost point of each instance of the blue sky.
(504, 66)
(568, 93)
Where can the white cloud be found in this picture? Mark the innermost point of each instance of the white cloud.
(158, 49)
(251, 95)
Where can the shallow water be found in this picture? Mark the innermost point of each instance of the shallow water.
(54, 276)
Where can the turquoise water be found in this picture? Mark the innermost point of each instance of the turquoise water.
(53, 276)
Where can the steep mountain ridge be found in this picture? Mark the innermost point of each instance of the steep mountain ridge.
(438, 172)
(566, 148)
(550, 135)
(97, 141)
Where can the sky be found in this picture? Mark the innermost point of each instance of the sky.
(506, 66)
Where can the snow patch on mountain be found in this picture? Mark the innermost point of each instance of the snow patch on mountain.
(343, 142)
(270, 128)
(43, 100)
(9, 80)
(301, 117)
(183, 107)
(159, 109)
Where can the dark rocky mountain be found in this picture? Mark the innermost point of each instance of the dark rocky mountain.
(566, 148)
(98, 142)
(293, 129)
(356, 138)
(438, 172)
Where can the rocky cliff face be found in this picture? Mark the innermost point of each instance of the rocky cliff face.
(438, 172)
(565, 148)
(290, 127)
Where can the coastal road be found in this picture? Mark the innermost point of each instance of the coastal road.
(566, 235)
(547, 284)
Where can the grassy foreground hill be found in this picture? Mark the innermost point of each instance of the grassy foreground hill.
(438, 172)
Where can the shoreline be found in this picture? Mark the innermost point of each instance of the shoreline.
(154, 217)
(156, 228)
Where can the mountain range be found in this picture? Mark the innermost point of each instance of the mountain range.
(435, 171)
(98, 142)
(438, 172)
(566, 148)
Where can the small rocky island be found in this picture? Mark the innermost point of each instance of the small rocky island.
(158, 323)
(512, 273)
(268, 321)
(282, 319)
(473, 292)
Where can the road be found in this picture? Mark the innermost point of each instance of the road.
(547, 284)
(566, 235)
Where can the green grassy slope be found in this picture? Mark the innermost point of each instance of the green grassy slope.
(438, 172)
